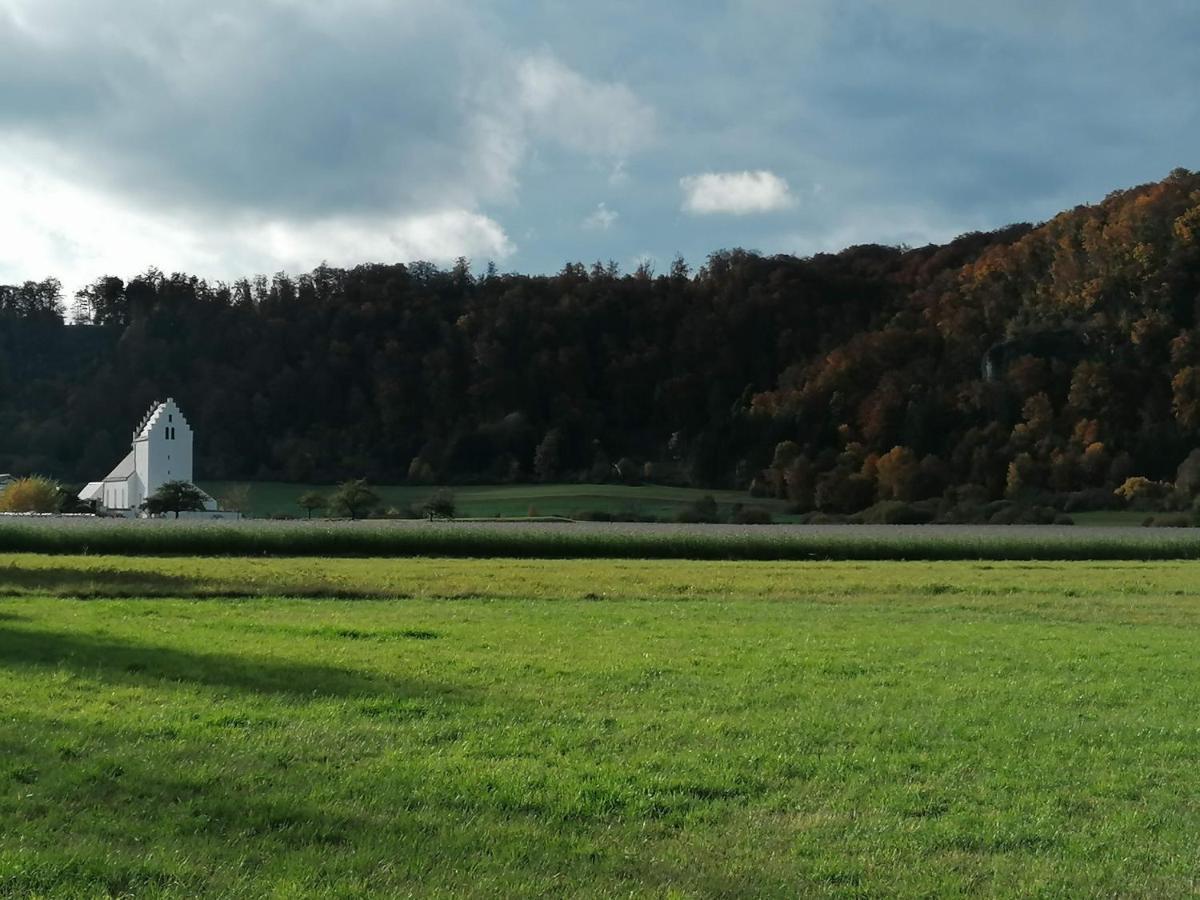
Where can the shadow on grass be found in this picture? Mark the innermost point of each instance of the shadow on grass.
(121, 662)
(67, 582)
(119, 584)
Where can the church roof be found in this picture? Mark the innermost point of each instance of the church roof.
(93, 491)
(148, 420)
(157, 410)
(125, 468)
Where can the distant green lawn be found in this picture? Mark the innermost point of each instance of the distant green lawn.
(267, 498)
(1111, 517)
(270, 498)
(597, 728)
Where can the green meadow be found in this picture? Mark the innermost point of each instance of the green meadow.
(267, 498)
(184, 727)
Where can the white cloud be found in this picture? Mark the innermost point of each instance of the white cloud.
(224, 138)
(539, 99)
(737, 193)
(601, 218)
(587, 116)
(53, 225)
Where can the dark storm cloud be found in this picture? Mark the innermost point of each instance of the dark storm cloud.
(277, 106)
(270, 130)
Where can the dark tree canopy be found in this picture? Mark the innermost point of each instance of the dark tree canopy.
(1062, 357)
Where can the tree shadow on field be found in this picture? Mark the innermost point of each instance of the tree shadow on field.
(127, 584)
(86, 583)
(121, 662)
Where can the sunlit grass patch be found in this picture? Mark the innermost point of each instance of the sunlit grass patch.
(599, 727)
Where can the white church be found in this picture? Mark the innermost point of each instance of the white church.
(162, 452)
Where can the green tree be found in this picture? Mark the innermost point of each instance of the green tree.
(1187, 476)
(174, 497)
(311, 501)
(440, 505)
(236, 498)
(353, 498)
(546, 456)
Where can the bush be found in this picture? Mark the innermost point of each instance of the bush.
(1142, 493)
(1168, 520)
(607, 515)
(820, 518)
(703, 510)
(34, 494)
(1090, 500)
(1016, 514)
(440, 505)
(839, 491)
(894, 512)
(628, 471)
(752, 515)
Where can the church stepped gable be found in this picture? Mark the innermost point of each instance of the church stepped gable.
(153, 415)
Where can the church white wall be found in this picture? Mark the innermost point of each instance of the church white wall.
(116, 495)
(163, 451)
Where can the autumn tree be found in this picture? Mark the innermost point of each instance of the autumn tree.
(896, 474)
(1185, 397)
(33, 494)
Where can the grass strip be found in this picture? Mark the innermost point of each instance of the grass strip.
(464, 541)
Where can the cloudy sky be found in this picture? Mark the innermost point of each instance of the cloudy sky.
(226, 138)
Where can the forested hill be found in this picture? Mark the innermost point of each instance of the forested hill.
(1060, 357)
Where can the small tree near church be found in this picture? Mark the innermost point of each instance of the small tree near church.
(174, 497)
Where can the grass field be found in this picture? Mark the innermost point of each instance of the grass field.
(266, 498)
(597, 728)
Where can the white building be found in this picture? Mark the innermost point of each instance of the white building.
(162, 452)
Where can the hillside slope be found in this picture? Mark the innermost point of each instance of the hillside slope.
(1062, 357)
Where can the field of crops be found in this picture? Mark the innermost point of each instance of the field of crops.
(384, 538)
(356, 727)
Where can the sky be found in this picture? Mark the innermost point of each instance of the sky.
(224, 138)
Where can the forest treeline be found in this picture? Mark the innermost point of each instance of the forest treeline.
(1061, 358)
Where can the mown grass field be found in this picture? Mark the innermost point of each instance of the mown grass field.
(266, 498)
(597, 728)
